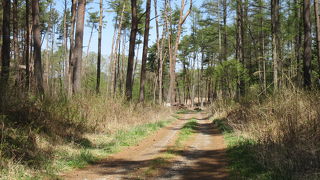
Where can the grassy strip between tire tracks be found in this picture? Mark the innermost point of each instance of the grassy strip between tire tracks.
(165, 160)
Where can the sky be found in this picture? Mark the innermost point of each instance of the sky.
(107, 33)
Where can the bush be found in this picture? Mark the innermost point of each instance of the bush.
(286, 129)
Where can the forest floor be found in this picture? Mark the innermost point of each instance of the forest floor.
(189, 148)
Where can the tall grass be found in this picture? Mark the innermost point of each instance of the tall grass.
(285, 131)
(56, 133)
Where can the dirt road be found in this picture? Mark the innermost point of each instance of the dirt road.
(203, 156)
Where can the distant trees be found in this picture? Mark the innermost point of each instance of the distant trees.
(173, 55)
(188, 63)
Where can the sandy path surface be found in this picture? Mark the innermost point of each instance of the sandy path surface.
(203, 157)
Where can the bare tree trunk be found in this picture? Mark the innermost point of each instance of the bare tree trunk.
(46, 64)
(110, 79)
(15, 40)
(298, 41)
(123, 54)
(38, 72)
(173, 56)
(89, 43)
(99, 48)
(27, 44)
(262, 48)
(240, 48)
(307, 45)
(275, 40)
(65, 44)
(136, 63)
(71, 54)
(77, 57)
(5, 53)
(133, 34)
(145, 51)
(225, 42)
(115, 57)
(47, 58)
(159, 50)
(117, 68)
(316, 13)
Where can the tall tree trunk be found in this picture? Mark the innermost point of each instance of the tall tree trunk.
(116, 56)
(159, 50)
(123, 58)
(133, 34)
(173, 57)
(110, 78)
(77, 57)
(65, 44)
(275, 40)
(117, 68)
(225, 42)
(50, 30)
(99, 47)
(5, 53)
(90, 38)
(71, 54)
(298, 39)
(46, 62)
(15, 40)
(38, 71)
(316, 13)
(27, 45)
(240, 45)
(261, 48)
(136, 63)
(307, 45)
(145, 51)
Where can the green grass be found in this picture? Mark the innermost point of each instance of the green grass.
(187, 111)
(86, 152)
(187, 130)
(122, 138)
(164, 159)
(241, 155)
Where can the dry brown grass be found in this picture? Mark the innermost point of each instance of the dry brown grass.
(35, 134)
(286, 132)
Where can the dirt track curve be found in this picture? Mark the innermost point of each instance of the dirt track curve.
(202, 158)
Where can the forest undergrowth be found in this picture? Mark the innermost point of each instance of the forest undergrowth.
(41, 138)
(274, 138)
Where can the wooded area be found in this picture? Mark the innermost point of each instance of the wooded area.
(194, 53)
(230, 49)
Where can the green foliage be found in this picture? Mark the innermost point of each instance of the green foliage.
(228, 74)
(93, 19)
(81, 160)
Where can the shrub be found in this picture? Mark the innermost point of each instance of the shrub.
(286, 129)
